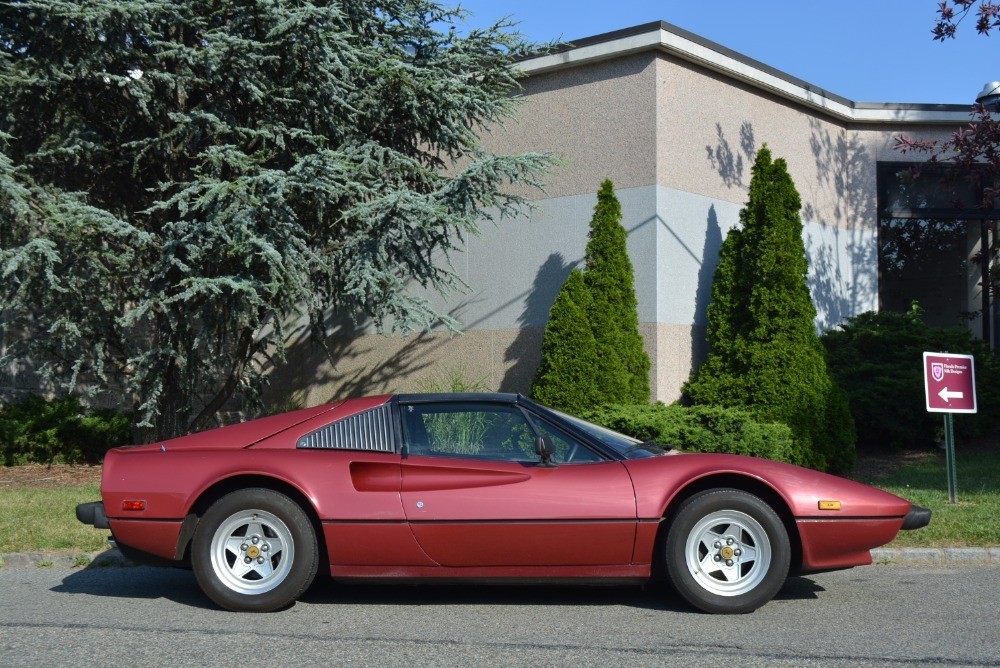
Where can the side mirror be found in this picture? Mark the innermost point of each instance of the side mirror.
(545, 449)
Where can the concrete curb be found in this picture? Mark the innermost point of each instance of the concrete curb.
(937, 556)
(909, 556)
(99, 559)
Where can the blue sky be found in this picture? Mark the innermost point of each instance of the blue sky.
(864, 50)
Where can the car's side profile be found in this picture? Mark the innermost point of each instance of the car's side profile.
(486, 487)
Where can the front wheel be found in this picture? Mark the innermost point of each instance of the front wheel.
(727, 551)
(254, 551)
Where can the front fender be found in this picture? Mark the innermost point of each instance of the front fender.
(658, 481)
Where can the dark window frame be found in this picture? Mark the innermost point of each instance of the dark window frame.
(529, 418)
(986, 219)
(886, 173)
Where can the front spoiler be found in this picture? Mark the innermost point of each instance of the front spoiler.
(917, 518)
(93, 513)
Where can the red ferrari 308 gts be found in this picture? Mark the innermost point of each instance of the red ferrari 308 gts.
(481, 487)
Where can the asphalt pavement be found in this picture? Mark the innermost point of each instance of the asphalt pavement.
(867, 616)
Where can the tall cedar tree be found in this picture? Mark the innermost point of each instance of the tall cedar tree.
(765, 353)
(565, 378)
(178, 178)
(622, 363)
(592, 352)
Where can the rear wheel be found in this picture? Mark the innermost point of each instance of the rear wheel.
(727, 551)
(254, 551)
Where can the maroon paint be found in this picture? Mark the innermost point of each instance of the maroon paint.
(843, 543)
(515, 514)
(494, 520)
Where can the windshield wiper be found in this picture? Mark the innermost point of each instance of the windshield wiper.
(650, 445)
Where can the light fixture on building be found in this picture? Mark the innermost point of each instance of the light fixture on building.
(989, 97)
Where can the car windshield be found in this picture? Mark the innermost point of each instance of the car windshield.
(630, 448)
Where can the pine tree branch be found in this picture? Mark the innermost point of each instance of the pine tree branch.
(243, 357)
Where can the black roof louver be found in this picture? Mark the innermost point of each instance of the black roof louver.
(369, 430)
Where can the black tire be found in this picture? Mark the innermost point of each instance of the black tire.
(266, 528)
(727, 551)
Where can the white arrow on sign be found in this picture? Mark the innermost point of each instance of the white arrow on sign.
(948, 396)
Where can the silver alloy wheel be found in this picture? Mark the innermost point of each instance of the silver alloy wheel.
(252, 552)
(728, 553)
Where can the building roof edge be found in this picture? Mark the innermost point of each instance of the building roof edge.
(665, 37)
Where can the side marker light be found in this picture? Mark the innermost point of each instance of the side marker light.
(829, 505)
(133, 505)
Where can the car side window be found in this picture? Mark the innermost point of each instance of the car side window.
(469, 430)
(568, 449)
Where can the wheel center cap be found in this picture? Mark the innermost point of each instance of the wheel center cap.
(727, 552)
(253, 551)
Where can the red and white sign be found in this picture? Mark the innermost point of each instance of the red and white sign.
(949, 383)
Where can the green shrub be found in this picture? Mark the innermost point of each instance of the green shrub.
(622, 363)
(878, 359)
(96, 433)
(454, 380)
(565, 378)
(839, 435)
(58, 431)
(592, 352)
(765, 355)
(700, 429)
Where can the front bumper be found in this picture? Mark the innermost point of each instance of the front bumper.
(93, 513)
(917, 518)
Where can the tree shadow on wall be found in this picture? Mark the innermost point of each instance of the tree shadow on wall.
(356, 362)
(525, 351)
(729, 162)
(840, 291)
(703, 294)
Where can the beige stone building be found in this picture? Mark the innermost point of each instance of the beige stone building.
(674, 120)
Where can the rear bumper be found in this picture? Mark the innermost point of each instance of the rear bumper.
(917, 518)
(145, 542)
(158, 538)
(93, 513)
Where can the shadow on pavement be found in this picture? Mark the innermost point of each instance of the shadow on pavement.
(174, 584)
(179, 585)
(799, 588)
(656, 596)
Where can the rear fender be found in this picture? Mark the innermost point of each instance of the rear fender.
(233, 483)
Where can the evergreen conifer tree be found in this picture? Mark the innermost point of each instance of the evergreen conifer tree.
(566, 378)
(178, 178)
(622, 364)
(592, 351)
(765, 353)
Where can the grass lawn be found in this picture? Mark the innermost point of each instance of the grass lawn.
(973, 521)
(42, 518)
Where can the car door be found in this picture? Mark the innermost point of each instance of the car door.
(475, 493)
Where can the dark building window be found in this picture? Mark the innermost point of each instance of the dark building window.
(931, 237)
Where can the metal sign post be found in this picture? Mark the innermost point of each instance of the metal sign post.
(949, 388)
(949, 450)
